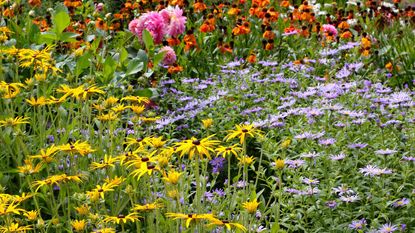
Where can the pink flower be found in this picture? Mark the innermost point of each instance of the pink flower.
(152, 22)
(174, 19)
(330, 29)
(169, 56)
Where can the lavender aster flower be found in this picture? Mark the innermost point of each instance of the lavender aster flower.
(402, 202)
(357, 224)
(388, 228)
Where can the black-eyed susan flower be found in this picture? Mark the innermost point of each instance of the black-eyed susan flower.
(136, 99)
(29, 167)
(279, 163)
(145, 168)
(14, 227)
(251, 206)
(138, 109)
(10, 90)
(172, 177)
(31, 215)
(107, 162)
(46, 155)
(78, 225)
(147, 207)
(246, 160)
(229, 225)
(207, 123)
(56, 180)
(81, 148)
(41, 101)
(199, 147)
(243, 131)
(9, 206)
(225, 151)
(191, 217)
(104, 230)
(131, 217)
(83, 210)
(155, 142)
(11, 122)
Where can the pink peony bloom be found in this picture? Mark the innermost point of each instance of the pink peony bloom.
(152, 22)
(169, 56)
(174, 19)
(330, 29)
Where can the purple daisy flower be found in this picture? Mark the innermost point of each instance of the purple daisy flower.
(388, 228)
(357, 224)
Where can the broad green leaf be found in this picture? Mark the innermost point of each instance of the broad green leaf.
(144, 92)
(134, 66)
(68, 37)
(109, 68)
(82, 63)
(61, 20)
(47, 37)
(158, 58)
(148, 41)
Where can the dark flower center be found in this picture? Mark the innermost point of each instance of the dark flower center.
(245, 131)
(100, 190)
(145, 159)
(228, 149)
(225, 221)
(121, 216)
(196, 142)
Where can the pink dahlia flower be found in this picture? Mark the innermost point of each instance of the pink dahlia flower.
(330, 29)
(152, 22)
(169, 56)
(174, 19)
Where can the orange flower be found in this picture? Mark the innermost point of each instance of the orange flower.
(251, 58)
(241, 29)
(343, 25)
(189, 40)
(285, 4)
(268, 34)
(35, 3)
(100, 24)
(199, 6)
(173, 41)
(234, 10)
(207, 27)
(175, 68)
(346, 35)
(389, 66)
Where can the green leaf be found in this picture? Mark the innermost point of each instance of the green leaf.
(61, 20)
(134, 66)
(123, 55)
(47, 37)
(144, 92)
(109, 68)
(82, 63)
(148, 41)
(158, 58)
(68, 37)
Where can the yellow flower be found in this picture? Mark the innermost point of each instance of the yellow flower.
(10, 208)
(191, 217)
(145, 168)
(148, 119)
(82, 148)
(108, 117)
(155, 142)
(31, 215)
(107, 162)
(199, 147)
(279, 163)
(119, 108)
(132, 217)
(55, 180)
(227, 224)
(39, 59)
(114, 182)
(251, 206)
(14, 121)
(82, 210)
(46, 155)
(9, 90)
(29, 167)
(173, 177)
(174, 193)
(99, 191)
(136, 99)
(147, 207)
(243, 131)
(104, 230)
(228, 150)
(246, 160)
(207, 123)
(78, 225)
(285, 144)
(138, 109)
(14, 227)
(110, 101)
